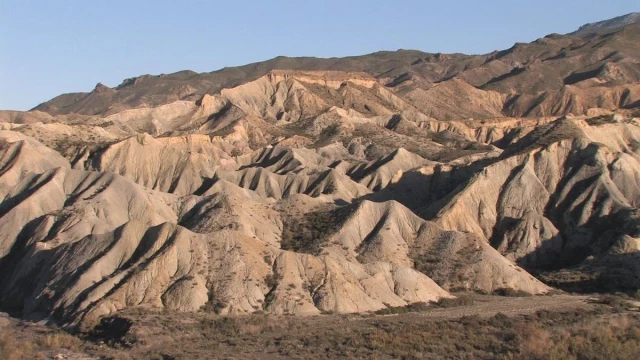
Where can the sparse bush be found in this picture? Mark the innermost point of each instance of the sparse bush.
(14, 349)
(331, 130)
(227, 326)
(510, 292)
(215, 303)
(619, 302)
(413, 307)
(61, 340)
(310, 232)
(271, 280)
(460, 300)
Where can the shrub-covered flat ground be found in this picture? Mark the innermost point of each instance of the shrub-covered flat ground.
(474, 327)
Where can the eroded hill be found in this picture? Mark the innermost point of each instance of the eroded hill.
(307, 186)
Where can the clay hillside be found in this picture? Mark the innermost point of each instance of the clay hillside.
(345, 185)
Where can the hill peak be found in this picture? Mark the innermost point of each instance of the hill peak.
(609, 24)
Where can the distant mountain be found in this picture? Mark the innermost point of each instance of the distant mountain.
(552, 76)
(606, 25)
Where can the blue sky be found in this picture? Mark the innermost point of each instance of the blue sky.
(53, 47)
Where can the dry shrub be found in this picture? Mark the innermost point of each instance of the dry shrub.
(510, 292)
(14, 349)
(619, 302)
(61, 340)
(413, 307)
(599, 339)
(309, 233)
(459, 300)
(227, 326)
(11, 347)
(535, 343)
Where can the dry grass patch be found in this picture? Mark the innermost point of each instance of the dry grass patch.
(17, 346)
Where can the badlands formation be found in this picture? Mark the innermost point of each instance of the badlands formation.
(306, 186)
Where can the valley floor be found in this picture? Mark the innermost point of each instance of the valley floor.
(476, 326)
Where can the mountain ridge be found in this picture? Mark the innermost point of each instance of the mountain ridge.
(609, 24)
(509, 71)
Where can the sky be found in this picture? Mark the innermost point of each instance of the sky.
(58, 46)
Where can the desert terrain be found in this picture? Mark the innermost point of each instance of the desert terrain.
(251, 211)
